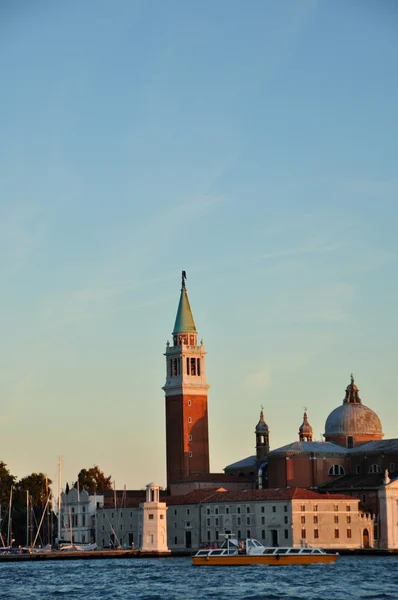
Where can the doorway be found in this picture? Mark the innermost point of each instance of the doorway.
(274, 537)
(188, 539)
(365, 538)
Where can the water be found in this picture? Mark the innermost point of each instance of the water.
(350, 578)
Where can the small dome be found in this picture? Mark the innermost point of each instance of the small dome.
(261, 426)
(353, 418)
(305, 431)
(305, 426)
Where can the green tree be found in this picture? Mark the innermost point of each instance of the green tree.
(38, 487)
(6, 481)
(93, 480)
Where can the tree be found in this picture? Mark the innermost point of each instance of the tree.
(38, 487)
(6, 481)
(93, 480)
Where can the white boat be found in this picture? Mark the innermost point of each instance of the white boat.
(251, 551)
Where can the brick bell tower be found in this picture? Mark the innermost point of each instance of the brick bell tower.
(187, 434)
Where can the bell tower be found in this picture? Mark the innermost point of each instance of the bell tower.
(187, 435)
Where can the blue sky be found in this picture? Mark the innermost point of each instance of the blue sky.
(253, 144)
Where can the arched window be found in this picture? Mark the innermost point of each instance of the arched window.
(336, 470)
(374, 469)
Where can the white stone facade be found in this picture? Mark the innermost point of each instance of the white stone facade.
(388, 516)
(78, 514)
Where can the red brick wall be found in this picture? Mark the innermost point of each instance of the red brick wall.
(180, 465)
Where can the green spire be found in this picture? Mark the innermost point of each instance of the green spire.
(184, 322)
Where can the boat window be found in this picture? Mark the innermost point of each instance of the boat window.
(269, 551)
(216, 552)
(294, 550)
(282, 550)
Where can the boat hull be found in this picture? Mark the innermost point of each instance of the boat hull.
(263, 559)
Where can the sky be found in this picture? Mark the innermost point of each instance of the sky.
(252, 144)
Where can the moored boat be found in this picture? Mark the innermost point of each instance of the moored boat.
(252, 552)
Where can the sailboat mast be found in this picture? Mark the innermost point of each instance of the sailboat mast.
(9, 519)
(59, 498)
(27, 518)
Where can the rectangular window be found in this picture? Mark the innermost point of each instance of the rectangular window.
(349, 533)
(348, 519)
(315, 518)
(248, 522)
(303, 520)
(336, 533)
(263, 534)
(216, 534)
(336, 519)
(198, 366)
(285, 508)
(227, 510)
(188, 524)
(263, 509)
(286, 534)
(216, 510)
(316, 533)
(131, 515)
(161, 516)
(248, 509)
(190, 438)
(175, 512)
(262, 520)
(315, 508)
(174, 367)
(274, 509)
(303, 534)
(208, 536)
(193, 366)
(121, 527)
(187, 511)
(208, 522)
(239, 534)
(216, 523)
(302, 508)
(150, 516)
(286, 520)
(187, 366)
(179, 365)
(248, 533)
(336, 508)
(348, 508)
(238, 521)
(238, 510)
(175, 541)
(357, 469)
(207, 511)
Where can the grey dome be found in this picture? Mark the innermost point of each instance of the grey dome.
(353, 419)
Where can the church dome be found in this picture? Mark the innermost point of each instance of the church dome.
(353, 419)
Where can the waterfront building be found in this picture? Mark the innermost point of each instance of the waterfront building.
(78, 514)
(290, 516)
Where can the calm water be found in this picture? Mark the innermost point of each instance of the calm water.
(175, 579)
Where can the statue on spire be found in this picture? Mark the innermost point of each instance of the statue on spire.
(183, 278)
